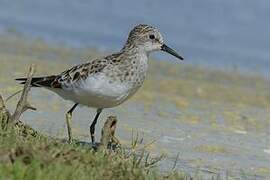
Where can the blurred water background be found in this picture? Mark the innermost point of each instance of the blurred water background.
(231, 34)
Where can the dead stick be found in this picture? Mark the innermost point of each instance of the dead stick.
(23, 104)
(2, 104)
(107, 134)
(4, 114)
(14, 94)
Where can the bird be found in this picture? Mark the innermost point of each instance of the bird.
(107, 81)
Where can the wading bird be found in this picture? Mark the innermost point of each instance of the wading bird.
(108, 81)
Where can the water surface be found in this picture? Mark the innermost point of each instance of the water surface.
(217, 33)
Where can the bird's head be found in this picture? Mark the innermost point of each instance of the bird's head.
(148, 39)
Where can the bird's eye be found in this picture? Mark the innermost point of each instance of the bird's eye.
(151, 36)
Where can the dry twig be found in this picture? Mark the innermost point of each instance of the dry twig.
(23, 104)
(4, 114)
(107, 134)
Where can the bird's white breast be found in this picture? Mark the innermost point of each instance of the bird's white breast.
(98, 91)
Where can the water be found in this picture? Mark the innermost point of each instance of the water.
(230, 34)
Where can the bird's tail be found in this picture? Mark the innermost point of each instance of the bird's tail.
(46, 81)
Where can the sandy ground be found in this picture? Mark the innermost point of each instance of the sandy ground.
(218, 122)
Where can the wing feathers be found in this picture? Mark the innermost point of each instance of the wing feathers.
(47, 81)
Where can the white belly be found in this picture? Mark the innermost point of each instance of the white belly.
(97, 91)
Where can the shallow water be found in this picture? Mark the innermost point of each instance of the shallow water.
(222, 34)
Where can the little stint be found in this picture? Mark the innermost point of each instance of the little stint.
(107, 81)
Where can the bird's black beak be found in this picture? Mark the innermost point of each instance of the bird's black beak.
(169, 50)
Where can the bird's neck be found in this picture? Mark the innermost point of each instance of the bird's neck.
(134, 51)
(136, 57)
(134, 62)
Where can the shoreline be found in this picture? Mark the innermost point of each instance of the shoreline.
(201, 113)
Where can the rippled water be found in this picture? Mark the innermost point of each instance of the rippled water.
(217, 33)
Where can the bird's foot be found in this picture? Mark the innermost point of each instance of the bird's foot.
(94, 144)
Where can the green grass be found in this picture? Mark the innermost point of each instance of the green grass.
(43, 158)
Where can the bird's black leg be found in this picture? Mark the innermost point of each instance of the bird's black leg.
(92, 126)
(68, 119)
